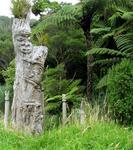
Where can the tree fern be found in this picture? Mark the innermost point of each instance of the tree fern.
(119, 29)
(125, 50)
(106, 61)
(67, 15)
(128, 16)
(55, 84)
(113, 45)
(105, 81)
(102, 51)
(100, 30)
(124, 43)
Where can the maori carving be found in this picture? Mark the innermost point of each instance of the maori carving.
(27, 107)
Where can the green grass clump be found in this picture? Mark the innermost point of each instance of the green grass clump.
(100, 136)
(20, 8)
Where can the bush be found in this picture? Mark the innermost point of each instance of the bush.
(20, 8)
(55, 84)
(120, 92)
(2, 90)
(9, 76)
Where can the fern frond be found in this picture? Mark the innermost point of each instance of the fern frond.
(124, 43)
(52, 106)
(103, 82)
(73, 90)
(114, 18)
(108, 35)
(106, 61)
(73, 84)
(102, 51)
(66, 16)
(128, 16)
(54, 98)
(100, 30)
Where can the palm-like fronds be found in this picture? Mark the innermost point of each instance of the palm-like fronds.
(118, 28)
(125, 50)
(67, 15)
(120, 32)
(105, 81)
(124, 43)
(100, 30)
(102, 51)
(72, 14)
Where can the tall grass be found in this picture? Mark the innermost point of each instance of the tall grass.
(96, 134)
(100, 136)
(92, 114)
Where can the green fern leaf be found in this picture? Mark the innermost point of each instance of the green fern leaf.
(102, 51)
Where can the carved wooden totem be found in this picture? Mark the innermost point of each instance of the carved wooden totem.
(27, 107)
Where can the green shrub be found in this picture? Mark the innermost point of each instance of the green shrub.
(2, 90)
(20, 8)
(120, 92)
(51, 122)
(55, 84)
(9, 76)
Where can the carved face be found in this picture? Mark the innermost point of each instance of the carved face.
(21, 34)
(24, 44)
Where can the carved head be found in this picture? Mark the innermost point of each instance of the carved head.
(21, 35)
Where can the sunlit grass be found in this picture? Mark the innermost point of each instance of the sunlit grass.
(98, 136)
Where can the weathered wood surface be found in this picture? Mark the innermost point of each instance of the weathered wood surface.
(7, 106)
(64, 109)
(82, 113)
(27, 107)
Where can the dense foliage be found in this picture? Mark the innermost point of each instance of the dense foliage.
(119, 87)
(55, 84)
(6, 46)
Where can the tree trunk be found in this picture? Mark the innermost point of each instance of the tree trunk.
(89, 71)
(27, 107)
(85, 25)
(89, 67)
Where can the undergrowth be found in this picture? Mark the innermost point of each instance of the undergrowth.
(97, 136)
